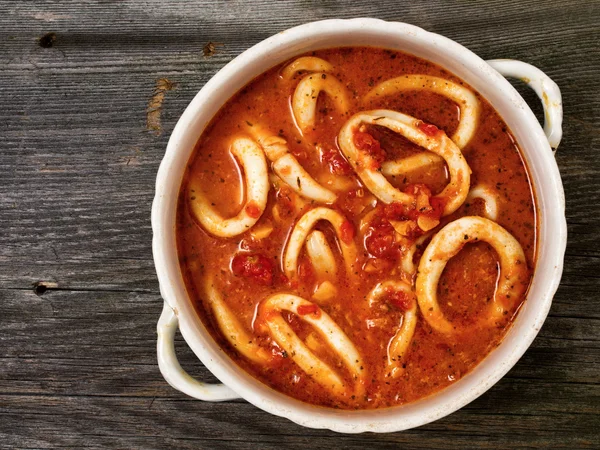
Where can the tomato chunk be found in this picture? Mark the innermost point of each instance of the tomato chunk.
(336, 162)
(308, 309)
(428, 128)
(400, 299)
(253, 210)
(254, 266)
(348, 232)
(368, 144)
(396, 211)
(380, 240)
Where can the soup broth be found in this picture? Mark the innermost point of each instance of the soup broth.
(356, 228)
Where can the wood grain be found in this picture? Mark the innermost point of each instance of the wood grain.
(77, 163)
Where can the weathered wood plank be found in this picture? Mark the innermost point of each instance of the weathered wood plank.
(156, 423)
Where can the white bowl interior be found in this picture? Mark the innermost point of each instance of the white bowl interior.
(459, 61)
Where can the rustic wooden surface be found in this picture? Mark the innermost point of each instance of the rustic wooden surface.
(78, 163)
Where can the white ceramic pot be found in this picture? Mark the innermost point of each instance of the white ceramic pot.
(536, 144)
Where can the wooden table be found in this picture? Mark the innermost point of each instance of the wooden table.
(81, 142)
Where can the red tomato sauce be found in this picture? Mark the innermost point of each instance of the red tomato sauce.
(248, 268)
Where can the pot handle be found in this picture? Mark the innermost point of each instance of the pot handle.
(544, 87)
(172, 370)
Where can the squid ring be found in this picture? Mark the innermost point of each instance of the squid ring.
(454, 194)
(489, 197)
(300, 233)
(304, 100)
(409, 164)
(300, 353)
(465, 98)
(512, 280)
(320, 254)
(289, 169)
(231, 328)
(399, 343)
(306, 63)
(252, 160)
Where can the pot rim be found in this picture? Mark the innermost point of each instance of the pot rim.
(545, 179)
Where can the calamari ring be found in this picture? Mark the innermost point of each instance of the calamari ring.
(286, 338)
(454, 194)
(304, 100)
(252, 160)
(409, 164)
(489, 197)
(300, 233)
(231, 328)
(307, 64)
(466, 100)
(398, 345)
(512, 280)
(320, 254)
(288, 168)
